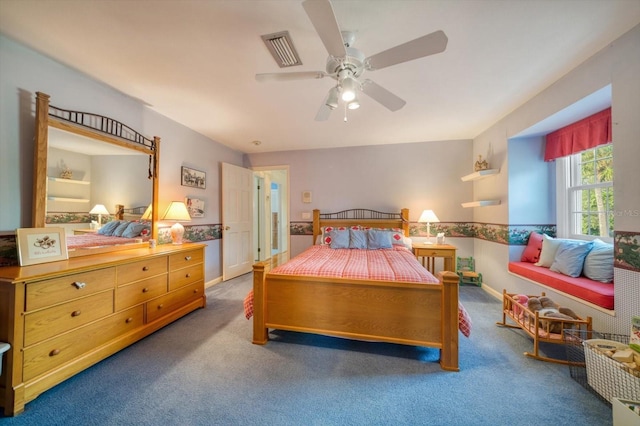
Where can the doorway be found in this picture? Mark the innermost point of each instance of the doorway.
(271, 207)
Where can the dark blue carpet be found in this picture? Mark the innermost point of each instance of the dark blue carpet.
(203, 370)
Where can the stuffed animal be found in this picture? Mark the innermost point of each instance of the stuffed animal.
(547, 308)
(522, 299)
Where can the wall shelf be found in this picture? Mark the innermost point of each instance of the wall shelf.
(68, 200)
(78, 182)
(481, 203)
(480, 174)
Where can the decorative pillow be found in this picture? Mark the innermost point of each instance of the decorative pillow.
(108, 228)
(397, 234)
(548, 251)
(121, 228)
(357, 239)
(570, 257)
(339, 238)
(377, 239)
(134, 229)
(531, 253)
(598, 265)
(326, 238)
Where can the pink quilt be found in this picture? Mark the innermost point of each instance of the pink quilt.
(97, 240)
(398, 264)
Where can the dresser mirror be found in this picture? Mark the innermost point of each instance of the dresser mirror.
(83, 160)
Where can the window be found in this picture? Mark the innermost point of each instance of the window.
(588, 194)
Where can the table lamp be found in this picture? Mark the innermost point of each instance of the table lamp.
(178, 212)
(428, 216)
(147, 213)
(99, 209)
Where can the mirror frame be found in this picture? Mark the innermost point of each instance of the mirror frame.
(81, 123)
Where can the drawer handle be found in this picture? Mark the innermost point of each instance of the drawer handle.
(188, 276)
(145, 290)
(160, 306)
(75, 313)
(195, 290)
(187, 258)
(145, 268)
(79, 285)
(54, 352)
(128, 320)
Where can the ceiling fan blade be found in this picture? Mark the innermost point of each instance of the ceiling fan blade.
(430, 44)
(324, 20)
(382, 95)
(288, 76)
(325, 110)
(323, 113)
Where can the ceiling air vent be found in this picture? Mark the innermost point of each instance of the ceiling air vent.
(281, 47)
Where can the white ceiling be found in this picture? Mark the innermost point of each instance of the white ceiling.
(195, 61)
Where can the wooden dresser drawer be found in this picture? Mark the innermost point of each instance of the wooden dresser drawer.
(140, 291)
(187, 258)
(47, 355)
(429, 252)
(165, 304)
(58, 290)
(185, 276)
(141, 270)
(48, 322)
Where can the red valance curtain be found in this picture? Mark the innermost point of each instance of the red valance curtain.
(584, 134)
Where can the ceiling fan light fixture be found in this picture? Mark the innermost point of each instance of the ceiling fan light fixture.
(349, 85)
(354, 104)
(332, 99)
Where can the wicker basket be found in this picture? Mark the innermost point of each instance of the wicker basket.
(592, 368)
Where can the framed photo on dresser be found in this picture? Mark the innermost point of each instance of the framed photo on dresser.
(41, 245)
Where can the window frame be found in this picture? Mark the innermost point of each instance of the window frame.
(567, 194)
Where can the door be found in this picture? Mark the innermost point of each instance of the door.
(237, 219)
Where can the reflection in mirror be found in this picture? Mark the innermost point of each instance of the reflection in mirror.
(83, 173)
(83, 160)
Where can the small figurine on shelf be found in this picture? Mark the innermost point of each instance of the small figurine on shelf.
(66, 173)
(481, 164)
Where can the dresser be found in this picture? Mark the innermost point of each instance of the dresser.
(62, 317)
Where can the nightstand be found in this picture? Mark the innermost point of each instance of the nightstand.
(84, 231)
(431, 251)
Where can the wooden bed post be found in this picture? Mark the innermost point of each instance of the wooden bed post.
(449, 352)
(405, 221)
(260, 332)
(316, 224)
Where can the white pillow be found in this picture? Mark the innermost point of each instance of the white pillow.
(548, 252)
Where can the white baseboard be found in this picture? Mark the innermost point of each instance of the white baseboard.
(212, 282)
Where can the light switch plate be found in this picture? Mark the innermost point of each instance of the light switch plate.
(306, 215)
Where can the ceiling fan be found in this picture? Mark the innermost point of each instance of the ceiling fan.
(346, 64)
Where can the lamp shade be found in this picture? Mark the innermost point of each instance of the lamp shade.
(147, 213)
(177, 211)
(428, 216)
(99, 209)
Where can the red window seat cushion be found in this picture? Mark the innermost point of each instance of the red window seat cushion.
(598, 293)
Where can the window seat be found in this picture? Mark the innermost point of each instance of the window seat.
(598, 293)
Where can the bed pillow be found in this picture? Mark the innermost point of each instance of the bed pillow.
(548, 251)
(121, 228)
(570, 257)
(339, 238)
(531, 253)
(357, 239)
(108, 228)
(134, 229)
(326, 238)
(377, 239)
(598, 265)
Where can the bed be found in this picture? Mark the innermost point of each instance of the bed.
(128, 228)
(383, 309)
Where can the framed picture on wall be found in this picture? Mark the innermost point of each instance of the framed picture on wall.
(193, 178)
(195, 206)
(41, 245)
